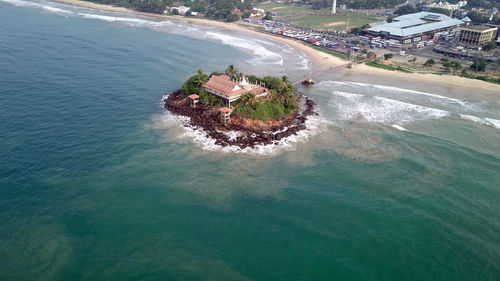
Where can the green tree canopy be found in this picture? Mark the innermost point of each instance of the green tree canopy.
(429, 62)
(440, 11)
(232, 17)
(490, 46)
(479, 65)
(404, 10)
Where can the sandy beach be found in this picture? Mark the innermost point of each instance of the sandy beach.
(316, 56)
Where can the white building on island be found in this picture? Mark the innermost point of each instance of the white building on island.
(229, 90)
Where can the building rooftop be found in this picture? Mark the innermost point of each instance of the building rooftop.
(405, 23)
(193, 96)
(478, 27)
(412, 24)
(423, 15)
(225, 109)
(223, 85)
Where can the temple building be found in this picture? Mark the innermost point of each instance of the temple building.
(229, 90)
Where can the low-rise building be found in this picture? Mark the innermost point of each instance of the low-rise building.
(181, 9)
(477, 35)
(447, 5)
(229, 90)
(416, 25)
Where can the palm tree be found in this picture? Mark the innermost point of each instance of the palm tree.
(231, 71)
(273, 94)
(248, 99)
(201, 78)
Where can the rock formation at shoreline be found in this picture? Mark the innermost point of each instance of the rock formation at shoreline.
(253, 132)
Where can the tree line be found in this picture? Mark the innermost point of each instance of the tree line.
(218, 9)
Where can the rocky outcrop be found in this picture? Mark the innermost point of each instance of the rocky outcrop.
(253, 132)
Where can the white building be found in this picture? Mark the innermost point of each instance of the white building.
(181, 9)
(415, 25)
(447, 5)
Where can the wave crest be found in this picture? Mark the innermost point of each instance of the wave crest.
(315, 124)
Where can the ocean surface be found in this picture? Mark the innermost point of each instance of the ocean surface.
(394, 180)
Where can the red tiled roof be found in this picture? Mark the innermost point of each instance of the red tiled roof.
(258, 90)
(223, 85)
(193, 96)
(225, 109)
(237, 12)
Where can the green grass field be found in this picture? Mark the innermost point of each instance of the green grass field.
(332, 22)
(317, 19)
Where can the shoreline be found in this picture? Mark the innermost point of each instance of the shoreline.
(318, 57)
(251, 132)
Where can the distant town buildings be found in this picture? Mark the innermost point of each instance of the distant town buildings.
(412, 27)
(447, 5)
(257, 12)
(477, 35)
(237, 11)
(182, 10)
(229, 90)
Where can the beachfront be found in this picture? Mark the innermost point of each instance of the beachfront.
(320, 58)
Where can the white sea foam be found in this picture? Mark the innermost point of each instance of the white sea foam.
(21, 3)
(474, 119)
(232, 135)
(351, 96)
(494, 122)
(314, 126)
(382, 110)
(250, 46)
(395, 126)
(393, 89)
(113, 19)
(483, 121)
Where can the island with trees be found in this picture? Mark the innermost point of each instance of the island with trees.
(241, 110)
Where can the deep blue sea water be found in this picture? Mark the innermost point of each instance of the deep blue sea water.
(393, 181)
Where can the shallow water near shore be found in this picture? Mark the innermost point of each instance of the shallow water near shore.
(396, 181)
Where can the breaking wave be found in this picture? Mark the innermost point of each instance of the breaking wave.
(314, 126)
(381, 110)
(264, 56)
(395, 107)
(113, 19)
(21, 3)
(484, 121)
(261, 55)
(401, 128)
(393, 90)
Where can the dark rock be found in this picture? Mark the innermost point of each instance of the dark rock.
(206, 118)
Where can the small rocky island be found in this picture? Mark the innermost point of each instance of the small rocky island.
(240, 110)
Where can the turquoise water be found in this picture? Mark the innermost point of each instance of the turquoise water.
(98, 182)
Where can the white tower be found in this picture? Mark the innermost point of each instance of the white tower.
(334, 7)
